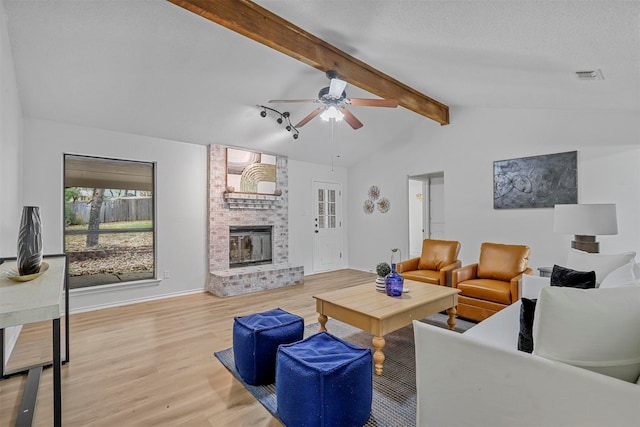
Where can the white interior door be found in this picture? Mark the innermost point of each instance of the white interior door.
(327, 227)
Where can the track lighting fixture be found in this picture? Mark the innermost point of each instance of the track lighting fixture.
(281, 118)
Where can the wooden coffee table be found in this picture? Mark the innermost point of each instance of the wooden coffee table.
(378, 314)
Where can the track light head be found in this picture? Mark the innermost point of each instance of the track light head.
(282, 118)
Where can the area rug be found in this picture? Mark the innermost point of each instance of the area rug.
(394, 393)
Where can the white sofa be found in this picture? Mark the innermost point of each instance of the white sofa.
(479, 378)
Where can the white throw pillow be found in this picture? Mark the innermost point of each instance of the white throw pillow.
(620, 276)
(595, 329)
(602, 264)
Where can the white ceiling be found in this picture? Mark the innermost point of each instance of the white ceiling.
(151, 68)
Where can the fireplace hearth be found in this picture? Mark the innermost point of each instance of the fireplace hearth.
(250, 245)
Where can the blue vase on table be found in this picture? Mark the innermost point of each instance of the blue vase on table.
(394, 280)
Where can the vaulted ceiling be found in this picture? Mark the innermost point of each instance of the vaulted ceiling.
(149, 67)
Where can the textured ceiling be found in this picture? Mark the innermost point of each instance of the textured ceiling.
(151, 68)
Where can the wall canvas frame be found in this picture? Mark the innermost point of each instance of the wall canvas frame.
(250, 172)
(536, 182)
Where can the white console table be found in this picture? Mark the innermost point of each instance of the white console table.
(27, 302)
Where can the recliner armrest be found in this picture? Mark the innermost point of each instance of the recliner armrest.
(445, 272)
(515, 284)
(456, 264)
(408, 265)
(467, 272)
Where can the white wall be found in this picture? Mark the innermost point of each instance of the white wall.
(10, 159)
(608, 145)
(181, 202)
(10, 145)
(301, 209)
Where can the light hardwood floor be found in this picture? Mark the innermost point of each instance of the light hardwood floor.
(152, 364)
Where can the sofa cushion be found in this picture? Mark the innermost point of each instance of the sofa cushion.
(562, 276)
(502, 262)
(621, 276)
(602, 264)
(525, 337)
(595, 329)
(438, 253)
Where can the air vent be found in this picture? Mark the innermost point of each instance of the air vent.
(590, 75)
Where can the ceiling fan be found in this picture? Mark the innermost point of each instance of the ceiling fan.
(334, 101)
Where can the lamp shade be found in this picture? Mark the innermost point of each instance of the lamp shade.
(585, 219)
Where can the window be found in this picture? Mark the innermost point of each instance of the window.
(326, 208)
(109, 227)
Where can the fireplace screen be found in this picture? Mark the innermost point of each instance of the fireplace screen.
(249, 245)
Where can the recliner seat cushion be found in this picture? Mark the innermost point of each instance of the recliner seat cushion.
(438, 253)
(487, 289)
(428, 276)
(502, 262)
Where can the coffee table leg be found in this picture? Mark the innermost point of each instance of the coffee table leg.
(451, 321)
(323, 321)
(378, 355)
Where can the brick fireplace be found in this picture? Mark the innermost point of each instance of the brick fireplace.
(227, 210)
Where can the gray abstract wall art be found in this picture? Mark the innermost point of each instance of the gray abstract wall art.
(536, 182)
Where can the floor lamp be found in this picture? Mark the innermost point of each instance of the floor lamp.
(585, 221)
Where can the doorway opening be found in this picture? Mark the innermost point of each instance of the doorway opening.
(426, 210)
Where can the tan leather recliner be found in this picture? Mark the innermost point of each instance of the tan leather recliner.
(492, 284)
(437, 260)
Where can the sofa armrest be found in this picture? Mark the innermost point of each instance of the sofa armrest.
(498, 387)
(445, 272)
(408, 265)
(467, 272)
(532, 285)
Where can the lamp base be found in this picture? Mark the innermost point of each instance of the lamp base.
(586, 244)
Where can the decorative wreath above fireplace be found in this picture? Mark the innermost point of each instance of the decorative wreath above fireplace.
(251, 172)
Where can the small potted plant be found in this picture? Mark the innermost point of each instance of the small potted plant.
(382, 269)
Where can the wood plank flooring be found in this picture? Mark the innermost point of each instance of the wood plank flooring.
(152, 364)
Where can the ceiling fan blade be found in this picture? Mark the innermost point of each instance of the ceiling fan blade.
(351, 119)
(284, 101)
(336, 88)
(309, 117)
(390, 103)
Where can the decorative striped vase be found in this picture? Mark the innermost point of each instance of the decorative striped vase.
(30, 241)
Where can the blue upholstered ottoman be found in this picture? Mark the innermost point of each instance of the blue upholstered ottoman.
(256, 338)
(323, 381)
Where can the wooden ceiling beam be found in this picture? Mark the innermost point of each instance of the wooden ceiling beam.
(257, 23)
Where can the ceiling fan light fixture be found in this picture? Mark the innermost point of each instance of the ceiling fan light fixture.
(331, 113)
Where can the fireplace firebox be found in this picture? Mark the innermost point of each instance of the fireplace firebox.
(250, 245)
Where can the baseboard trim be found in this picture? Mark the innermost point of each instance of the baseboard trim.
(136, 301)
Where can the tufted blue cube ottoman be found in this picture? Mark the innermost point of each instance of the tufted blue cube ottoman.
(323, 381)
(256, 338)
